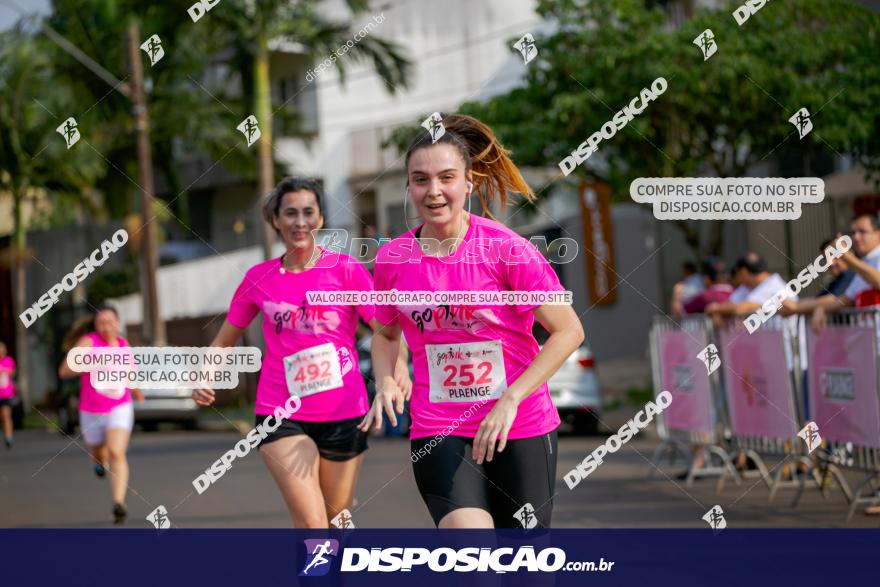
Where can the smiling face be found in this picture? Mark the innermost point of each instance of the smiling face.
(438, 184)
(298, 215)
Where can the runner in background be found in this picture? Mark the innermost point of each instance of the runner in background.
(106, 417)
(7, 390)
(480, 376)
(315, 455)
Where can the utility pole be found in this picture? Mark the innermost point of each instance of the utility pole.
(153, 328)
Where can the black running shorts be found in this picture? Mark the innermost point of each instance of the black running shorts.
(522, 476)
(337, 440)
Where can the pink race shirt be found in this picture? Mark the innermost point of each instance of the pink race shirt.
(101, 401)
(7, 366)
(464, 357)
(310, 349)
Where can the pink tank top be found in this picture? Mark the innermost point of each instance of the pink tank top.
(95, 400)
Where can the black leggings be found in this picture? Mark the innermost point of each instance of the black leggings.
(523, 475)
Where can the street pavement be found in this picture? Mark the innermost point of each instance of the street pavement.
(46, 481)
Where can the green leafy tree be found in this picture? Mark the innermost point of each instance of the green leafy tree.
(718, 117)
(250, 25)
(36, 167)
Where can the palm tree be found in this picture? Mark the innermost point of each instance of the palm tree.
(252, 24)
(35, 162)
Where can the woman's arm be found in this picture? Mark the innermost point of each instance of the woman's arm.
(401, 366)
(226, 337)
(385, 354)
(566, 335)
(63, 370)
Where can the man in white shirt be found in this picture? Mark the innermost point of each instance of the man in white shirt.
(756, 286)
(865, 230)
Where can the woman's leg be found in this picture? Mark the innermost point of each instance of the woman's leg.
(6, 412)
(117, 445)
(338, 480)
(294, 464)
(455, 489)
(467, 518)
(522, 479)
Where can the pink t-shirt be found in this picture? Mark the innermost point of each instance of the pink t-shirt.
(7, 366)
(474, 351)
(310, 349)
(100, 401)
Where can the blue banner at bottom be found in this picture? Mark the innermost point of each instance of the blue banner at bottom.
(434, 557)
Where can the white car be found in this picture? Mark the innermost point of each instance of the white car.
(575, 392)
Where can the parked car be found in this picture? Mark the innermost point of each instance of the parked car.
(575, 392)
(160, 405)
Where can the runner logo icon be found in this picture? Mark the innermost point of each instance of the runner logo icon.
(321, 552)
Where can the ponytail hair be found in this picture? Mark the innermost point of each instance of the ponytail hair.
(83, 326)
(493, 171)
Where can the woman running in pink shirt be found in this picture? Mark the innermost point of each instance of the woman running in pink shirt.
(480, 376)
(106, 417)
(315, 454)
(7, 390)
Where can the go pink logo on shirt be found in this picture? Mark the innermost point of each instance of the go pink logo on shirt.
(302, 318)
(452, 317)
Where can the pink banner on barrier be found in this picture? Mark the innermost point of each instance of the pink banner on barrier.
(843, 385)
(757, 384)
(684, 376)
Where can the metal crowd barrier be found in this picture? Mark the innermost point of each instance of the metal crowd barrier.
(768, 385)
(694, 419)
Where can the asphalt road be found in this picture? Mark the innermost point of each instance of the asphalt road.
(46, 481)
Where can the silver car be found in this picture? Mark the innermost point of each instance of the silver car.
(166, 405)
(575, 392)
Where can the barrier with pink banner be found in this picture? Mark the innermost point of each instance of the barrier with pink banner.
(757, 382)
(843, 384)
(691, 420)
(684, 376)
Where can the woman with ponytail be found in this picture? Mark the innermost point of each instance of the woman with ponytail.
(106, 417)
(480, 376)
